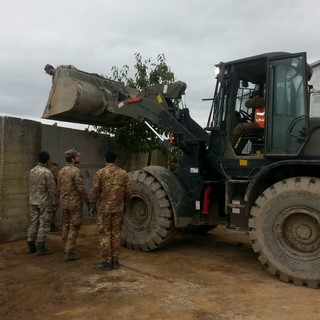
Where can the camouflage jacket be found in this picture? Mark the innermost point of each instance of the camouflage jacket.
(54, 168)
(258, 102)
(42, 186)
(111, 188)
(72, 191)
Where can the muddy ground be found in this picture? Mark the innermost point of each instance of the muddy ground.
(216, 276)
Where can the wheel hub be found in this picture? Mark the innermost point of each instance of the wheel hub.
(139, 213)
(297, 232)
(304, 232)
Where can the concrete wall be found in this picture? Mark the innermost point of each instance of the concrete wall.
(20, 143)
(22, 140)
(57, 140)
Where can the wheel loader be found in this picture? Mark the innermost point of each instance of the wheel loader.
(265, 182)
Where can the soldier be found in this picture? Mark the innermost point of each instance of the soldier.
(54, 168)
(50, 70)
(172, 164)
(256, 102)
(42, 200)
(72, 194)
(111, 189)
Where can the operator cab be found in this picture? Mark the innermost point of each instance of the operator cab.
(280, 79)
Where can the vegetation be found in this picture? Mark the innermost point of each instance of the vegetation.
(137, 137)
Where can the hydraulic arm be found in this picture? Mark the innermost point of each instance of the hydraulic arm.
(81, 97)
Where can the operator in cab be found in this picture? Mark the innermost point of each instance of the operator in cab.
(256, 102)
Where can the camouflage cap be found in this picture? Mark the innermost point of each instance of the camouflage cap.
(72, 153)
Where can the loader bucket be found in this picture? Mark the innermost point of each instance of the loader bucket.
(81, 97)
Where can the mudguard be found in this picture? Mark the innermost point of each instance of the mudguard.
(178, 196)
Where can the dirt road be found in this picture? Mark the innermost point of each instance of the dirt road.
(216, 276)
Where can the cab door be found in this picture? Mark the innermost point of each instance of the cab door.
(287, 114)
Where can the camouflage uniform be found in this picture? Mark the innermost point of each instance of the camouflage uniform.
(54, 168)
(42, 198)
(111, 189)
(72, 193)
(242, 128)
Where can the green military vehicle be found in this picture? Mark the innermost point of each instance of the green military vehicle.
(266, 182)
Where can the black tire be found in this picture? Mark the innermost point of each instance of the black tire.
(149, 222)
(284, 228)
(197, 230)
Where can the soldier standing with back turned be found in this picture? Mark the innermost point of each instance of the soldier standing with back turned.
(111, 189)
(72, 194)
(42, 199)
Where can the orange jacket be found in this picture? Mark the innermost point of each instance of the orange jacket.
(259, 116)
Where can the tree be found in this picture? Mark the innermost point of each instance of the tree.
(137, 137)
(147, 73)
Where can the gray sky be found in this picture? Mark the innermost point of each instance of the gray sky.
(96, 35)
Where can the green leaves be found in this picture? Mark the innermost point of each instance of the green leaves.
(137, 137)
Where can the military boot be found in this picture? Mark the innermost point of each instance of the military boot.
(42, 250)
(31, 248)
(115, 264)
(106, 266)
(53, 228)
(70, 256)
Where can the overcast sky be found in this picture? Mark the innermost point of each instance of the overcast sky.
(194, 35)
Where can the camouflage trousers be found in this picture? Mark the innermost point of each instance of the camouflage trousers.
(240, 129)
(109, 228)
(53, 215)
(40, 221)
(71, 223)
